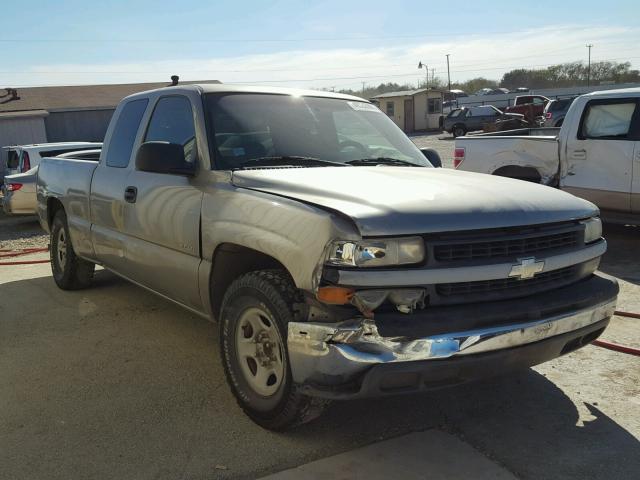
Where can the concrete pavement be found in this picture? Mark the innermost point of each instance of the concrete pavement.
(114, 382)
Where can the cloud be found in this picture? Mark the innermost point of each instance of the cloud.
(471, 56)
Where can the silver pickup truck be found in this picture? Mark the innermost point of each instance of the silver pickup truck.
(338, 262)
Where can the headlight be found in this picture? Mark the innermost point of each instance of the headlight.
(592, 229)
(377, 253)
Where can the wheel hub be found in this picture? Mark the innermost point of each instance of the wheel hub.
(260, 351)
(61, 248)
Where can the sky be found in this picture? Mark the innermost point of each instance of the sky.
(309, 44)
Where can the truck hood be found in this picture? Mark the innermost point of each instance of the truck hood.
(404, 200)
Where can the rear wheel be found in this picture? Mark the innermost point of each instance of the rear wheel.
(70, 272)
(253, 329)
(459, 131)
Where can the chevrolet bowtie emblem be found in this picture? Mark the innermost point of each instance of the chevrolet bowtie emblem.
(527, 268)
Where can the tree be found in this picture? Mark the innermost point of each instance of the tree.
(570, 74)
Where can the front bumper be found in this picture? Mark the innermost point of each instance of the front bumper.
(354, 358)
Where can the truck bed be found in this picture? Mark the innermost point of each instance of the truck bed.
(68, 180)
(523, 132)
(535, 148)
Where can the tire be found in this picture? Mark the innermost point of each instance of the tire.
(459, 131)
(433, 157)
(254, 315)
(70, 272)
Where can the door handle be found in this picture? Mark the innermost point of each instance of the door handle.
(130, 194)
(579, 154)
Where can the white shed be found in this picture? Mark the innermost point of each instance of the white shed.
(412, 110)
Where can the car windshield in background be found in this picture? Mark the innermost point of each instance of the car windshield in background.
(313, 131)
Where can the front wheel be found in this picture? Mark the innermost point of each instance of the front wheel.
(70, 272)
(253, 329)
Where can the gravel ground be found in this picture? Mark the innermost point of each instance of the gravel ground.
(441, 142)
(21, 232)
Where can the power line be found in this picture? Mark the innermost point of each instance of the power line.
(261, 40)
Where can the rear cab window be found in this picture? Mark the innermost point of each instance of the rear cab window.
(124, 133)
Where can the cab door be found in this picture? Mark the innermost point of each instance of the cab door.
(163, 211)
(600, 154)
(635, 185)
(107, 203)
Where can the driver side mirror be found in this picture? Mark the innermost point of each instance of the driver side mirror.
(163, 157)
(432, 156)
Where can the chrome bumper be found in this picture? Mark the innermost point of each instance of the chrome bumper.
(321, 353)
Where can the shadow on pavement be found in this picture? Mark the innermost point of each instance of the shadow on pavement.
(622, 259)
(113, 381)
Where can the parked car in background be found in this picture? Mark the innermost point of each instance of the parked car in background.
(21, 158)
(470, 119)
(594, 155)
(497, 91)
(531, 106)
(555, 111)
(19, 189)
(19, 193)
(230, 201)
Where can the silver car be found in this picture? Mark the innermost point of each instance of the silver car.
(19, 192)
(19, 189)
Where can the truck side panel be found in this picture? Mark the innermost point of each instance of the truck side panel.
(488, 154)
(68, 181)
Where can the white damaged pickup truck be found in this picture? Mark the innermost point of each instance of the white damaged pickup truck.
(338, 262)
(594, 155)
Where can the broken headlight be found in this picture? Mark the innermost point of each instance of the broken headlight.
(377, 252)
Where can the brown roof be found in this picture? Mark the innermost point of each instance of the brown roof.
(75, 97)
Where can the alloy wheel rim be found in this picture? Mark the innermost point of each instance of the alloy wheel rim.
(260, 351)
(61, 248)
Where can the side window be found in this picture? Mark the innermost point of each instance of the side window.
(124, 133)
(607, 120)
(172, 121)
(390, 109)
(434, 105)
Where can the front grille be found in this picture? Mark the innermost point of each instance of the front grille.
(507, 247)
(509, 286)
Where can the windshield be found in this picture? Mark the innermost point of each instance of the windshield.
(250, 127)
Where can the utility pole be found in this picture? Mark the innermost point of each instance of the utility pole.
(589, 65)
(433, 76)
(448, 74)
(363, 83)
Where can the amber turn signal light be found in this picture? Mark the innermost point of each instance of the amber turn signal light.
(335, 295)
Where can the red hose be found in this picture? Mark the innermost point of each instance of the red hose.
(626, 314)
(617, 347)
(17, 253)
(27, 262)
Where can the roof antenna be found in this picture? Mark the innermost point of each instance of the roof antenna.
(174, 80)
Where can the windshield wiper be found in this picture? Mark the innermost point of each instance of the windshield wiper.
(382, 161)
(285, 160)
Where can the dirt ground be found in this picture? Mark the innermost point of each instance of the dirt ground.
(114, 382)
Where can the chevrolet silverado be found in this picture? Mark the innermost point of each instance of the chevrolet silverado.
(337, 261)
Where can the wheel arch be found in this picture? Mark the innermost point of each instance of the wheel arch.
(528, 174)
(54, 205)
(229, 261)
